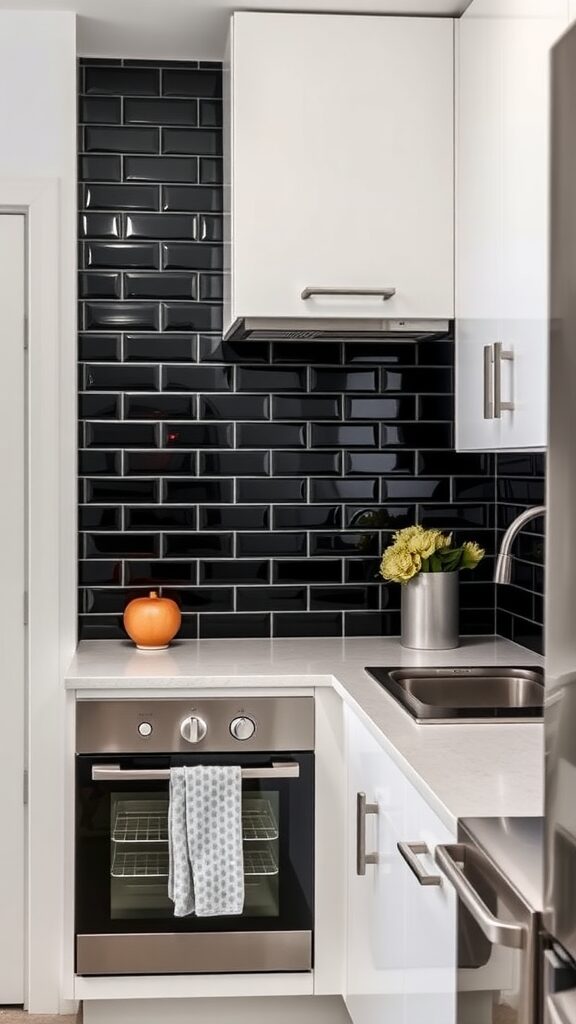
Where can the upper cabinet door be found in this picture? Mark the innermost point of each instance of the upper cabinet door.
(502, 155)
(339, 138)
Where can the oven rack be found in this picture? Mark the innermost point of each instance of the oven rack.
(139, 821)
(155, 864)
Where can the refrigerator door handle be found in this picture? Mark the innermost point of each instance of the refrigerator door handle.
(501, 933)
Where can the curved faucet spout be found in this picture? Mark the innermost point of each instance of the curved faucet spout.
(503, 571)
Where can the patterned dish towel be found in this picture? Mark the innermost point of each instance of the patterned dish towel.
(205, 841)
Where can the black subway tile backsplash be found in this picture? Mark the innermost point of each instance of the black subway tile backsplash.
(256, 483)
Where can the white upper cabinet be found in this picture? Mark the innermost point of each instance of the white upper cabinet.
(502, 155)
(339, 166)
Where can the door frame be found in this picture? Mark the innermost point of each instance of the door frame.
(51, 517)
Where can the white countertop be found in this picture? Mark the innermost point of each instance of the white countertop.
(462, 770)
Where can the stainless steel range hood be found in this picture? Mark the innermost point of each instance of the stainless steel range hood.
(303, 328)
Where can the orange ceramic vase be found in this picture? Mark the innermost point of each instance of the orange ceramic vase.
(152, 622)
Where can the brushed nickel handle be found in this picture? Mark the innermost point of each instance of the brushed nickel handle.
(499, 354)
(363, 858)
(113, 773)
(501, 933)
(310, 290)
(488, 400)
(410, 852)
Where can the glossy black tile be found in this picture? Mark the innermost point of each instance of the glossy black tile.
(183, 82)
(417, 435)
(237, 517)
(210, 171)
(306, 463)
(210, 113)
(99, 377)
(307, 624)
(160, 348)
(340, 544)
(520, 491)
(418, 489)
(344, 597)
(192, 199)
(445, 463)
(389, 518)
(436, 407)
(106, 348)
(417, 380)
(160, 111)
(446, 517)
(121, 316)
(435, 352)
(92, 517)
(344, 490)
(316, 517)
(162, 572)
(122, 81)
(376, 353)
(94, 285)
(473, 489)
(265, 545)
(293, 570)
(100, 110)
(210, 287)
(268, 490)
(160, 168)
(99, 407)
(160, 286)
(274, 435)
(160, 225)
(343, 380)
(99, 573)
(191, 316)
(255, 571)
(121, 197)
(307, 407)
(100, 139)
(100, 168)
(159, 463)
(93, 463)
(121, 545)
(304, 353)
(234, 463)
(260, 378)
(234, 407)
(198, 545)
(160, 517)
(191, 141)
(370, 463)
(271, 599)
(372, 623)
(202, 599)
(361, 408)
(328, 435)
(121, 255)
(121, 435)
(104, 601)
(196, 378)
(122, 491)
(193, 256)
(362, 570)
(100, 225)
(159, 407)
(100, 627)
(213, 627)
(197, 435)
(184, 492)
(521, 464)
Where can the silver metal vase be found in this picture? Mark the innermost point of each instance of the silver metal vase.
(430, 612)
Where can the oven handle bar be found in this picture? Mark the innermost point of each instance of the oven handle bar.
(449, 859)
(113, 773)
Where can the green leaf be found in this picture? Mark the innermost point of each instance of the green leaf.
(435, 563)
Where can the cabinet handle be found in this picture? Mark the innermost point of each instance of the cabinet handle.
(363, 858)
(488, 404)
(499, 355)
(410, 852)
(310, 290)
(450, 860)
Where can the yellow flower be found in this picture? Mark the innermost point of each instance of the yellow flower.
(403, 536)
(427, 542)
(472, 553)
(399, 564)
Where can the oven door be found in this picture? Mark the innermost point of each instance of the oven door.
(497, 941)
(125, 920)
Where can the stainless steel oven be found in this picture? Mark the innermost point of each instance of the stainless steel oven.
(124, 751)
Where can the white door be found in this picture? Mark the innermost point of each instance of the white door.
(342, 165)
(12, 629)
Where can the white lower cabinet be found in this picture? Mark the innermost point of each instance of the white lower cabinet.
(401, 934)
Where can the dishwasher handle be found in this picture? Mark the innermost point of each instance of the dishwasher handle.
(449, 859)
(114, 773)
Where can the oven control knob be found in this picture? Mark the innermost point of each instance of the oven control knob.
(242, 728)
(145, 729)
(193, 729)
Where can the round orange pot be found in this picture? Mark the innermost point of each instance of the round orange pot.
(152, 622)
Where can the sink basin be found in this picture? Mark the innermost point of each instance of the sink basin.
(438, 695)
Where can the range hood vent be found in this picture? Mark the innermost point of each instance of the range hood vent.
(318, 328)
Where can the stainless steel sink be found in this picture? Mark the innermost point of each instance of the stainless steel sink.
(437, 695)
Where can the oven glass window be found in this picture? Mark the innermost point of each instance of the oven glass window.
(139, 861)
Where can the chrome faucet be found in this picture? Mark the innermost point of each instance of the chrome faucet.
(503, 571)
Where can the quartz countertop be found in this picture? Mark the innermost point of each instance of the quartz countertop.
(474, 770)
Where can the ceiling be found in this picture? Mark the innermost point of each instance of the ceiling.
(195, 29)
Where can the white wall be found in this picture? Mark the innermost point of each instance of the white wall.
(38, 141)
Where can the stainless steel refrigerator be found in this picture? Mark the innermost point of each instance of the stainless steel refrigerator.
(560, 716)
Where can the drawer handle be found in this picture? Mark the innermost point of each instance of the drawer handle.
(310, 290)
(410, 852)
(450, 860)
(363, 858)
(113, 773)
